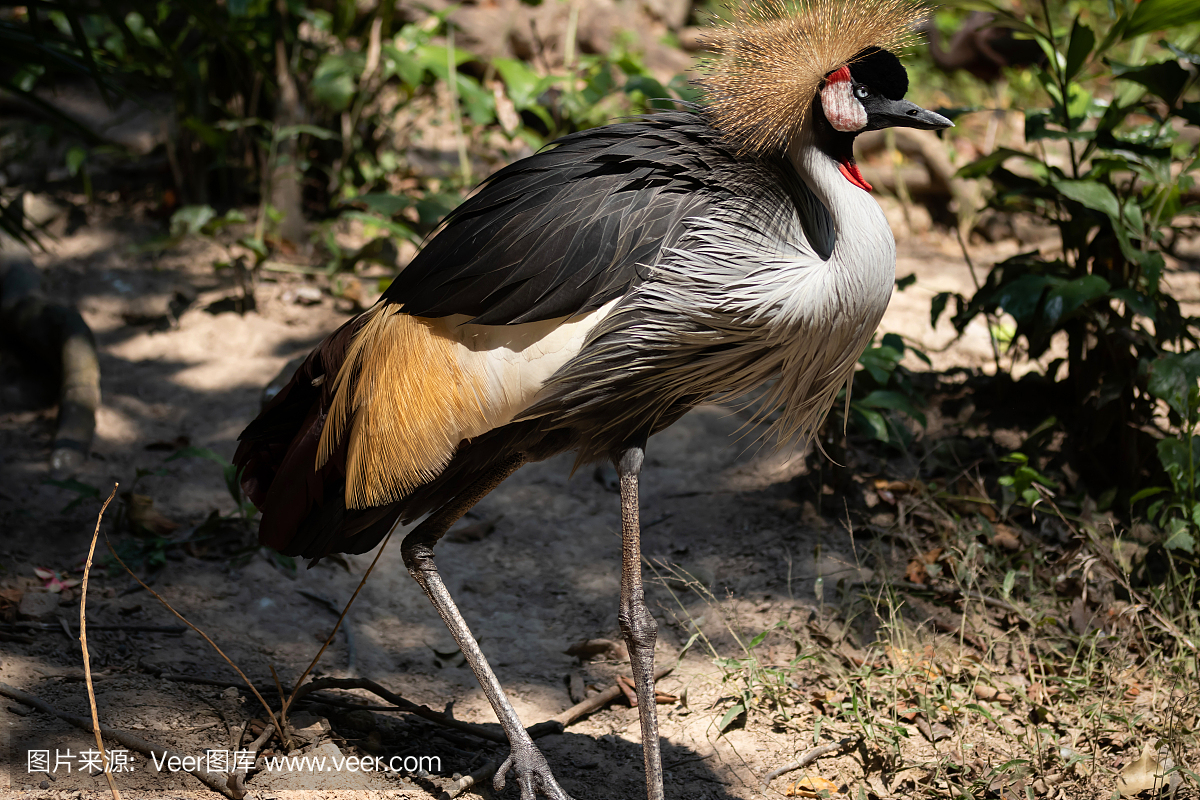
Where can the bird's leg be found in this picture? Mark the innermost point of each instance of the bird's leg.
(533, 773)
(637, 624)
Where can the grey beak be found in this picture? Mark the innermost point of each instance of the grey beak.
(904, 114)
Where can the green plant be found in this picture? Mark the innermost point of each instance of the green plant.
(1175, 379)
(1022, 484)
(1107, 167)
(882, 389)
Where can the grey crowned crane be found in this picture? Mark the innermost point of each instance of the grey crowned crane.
(587, 296)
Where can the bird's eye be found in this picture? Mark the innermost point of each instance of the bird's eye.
(861, 92)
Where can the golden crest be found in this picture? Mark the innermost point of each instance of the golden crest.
(769, 60)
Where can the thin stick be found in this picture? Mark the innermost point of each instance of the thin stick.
(810, 756)
(476, 778)
(595, 703)
(87, 660)
(203, 635)
(283, 709)
(338, 624)
(115, 734)
(401, 705)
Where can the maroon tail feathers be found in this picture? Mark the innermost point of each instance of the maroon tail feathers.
(304, 509)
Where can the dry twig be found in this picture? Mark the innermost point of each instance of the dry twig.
(296, 689)
(87, 660)
(476, 778)
(810, 756)
(203, 635)
(581, 710)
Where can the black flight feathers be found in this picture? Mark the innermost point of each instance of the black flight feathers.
(570, 228)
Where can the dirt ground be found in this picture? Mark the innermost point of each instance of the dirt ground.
(544, 578)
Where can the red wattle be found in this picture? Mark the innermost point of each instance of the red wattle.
(850, 170)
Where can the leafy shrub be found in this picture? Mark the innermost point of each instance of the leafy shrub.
(1104, 164)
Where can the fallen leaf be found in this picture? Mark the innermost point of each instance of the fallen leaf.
(811, 786)
(55, 582)
(1006, 538)
(915, 572)
(144, 519)
(1141, 775)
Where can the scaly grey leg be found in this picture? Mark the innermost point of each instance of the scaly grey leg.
(533, 773)
(637, 624)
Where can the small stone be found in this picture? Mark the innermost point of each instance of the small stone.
(38, 605)
(307, 295)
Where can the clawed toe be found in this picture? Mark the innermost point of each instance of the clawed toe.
(533, 775)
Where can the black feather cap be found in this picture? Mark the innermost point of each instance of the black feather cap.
(880, 71)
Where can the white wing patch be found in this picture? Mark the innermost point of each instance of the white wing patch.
(516, 361)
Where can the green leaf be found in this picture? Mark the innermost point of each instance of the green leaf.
(292, 131)
(389, 205)
(983, 167)
(1174, 378)
(75, 158)
(1082, 41)
(757, 640)
(1173, 455)
(1067, 297)
(655, 94)
(1166, 79)
(404, 64)
(1179, 537)
(905, 282)
(1092, 195)
(395, 228)
(335, 79)
(896, 401)
(1140, 303)
(524, 86)
(1020, 298)
(191, 219)
(872, 422)
(1148, 492)
(1159, 15)
(732, 714)
(432, 207)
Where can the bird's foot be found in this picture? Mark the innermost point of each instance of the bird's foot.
(533, 774)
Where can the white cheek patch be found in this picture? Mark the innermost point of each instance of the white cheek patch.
(842, 108)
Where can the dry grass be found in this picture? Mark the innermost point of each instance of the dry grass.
(987, 659)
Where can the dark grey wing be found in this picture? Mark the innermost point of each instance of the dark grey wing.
(567, 229)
